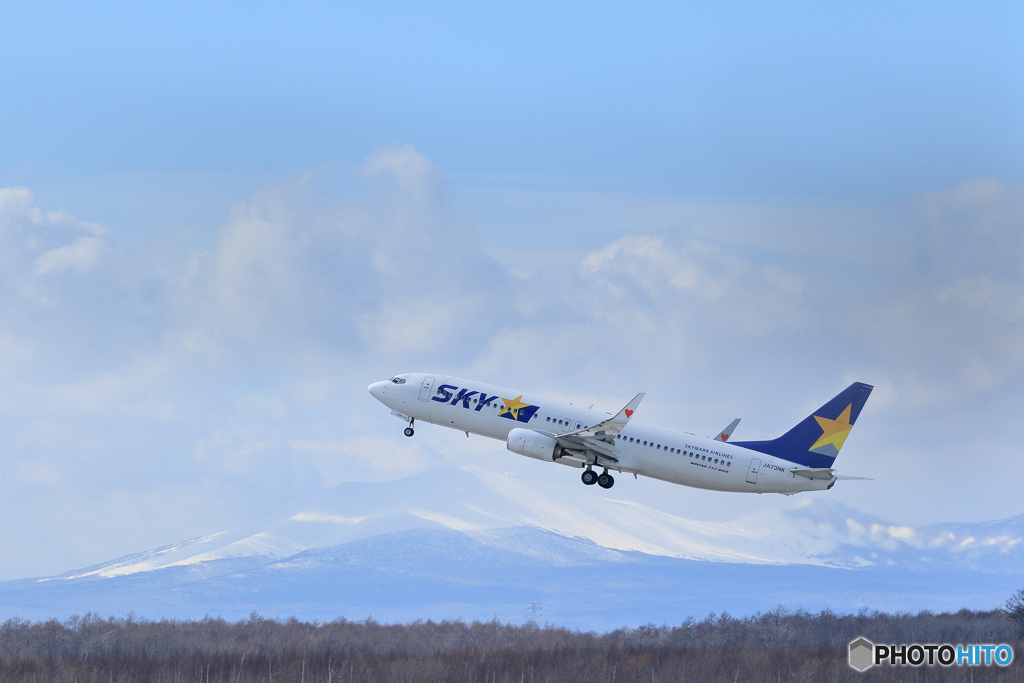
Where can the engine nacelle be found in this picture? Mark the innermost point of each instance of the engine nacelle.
(533, 445)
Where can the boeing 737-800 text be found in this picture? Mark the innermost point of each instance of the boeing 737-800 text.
(799, 460)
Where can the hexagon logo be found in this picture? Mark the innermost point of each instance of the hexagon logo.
(862, 654)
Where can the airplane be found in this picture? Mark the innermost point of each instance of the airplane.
(799, 460)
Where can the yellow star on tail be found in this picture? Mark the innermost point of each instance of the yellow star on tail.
(512, 406)
(834, 431)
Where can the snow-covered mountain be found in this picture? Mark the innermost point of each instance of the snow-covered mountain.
(478, 502)
(475, 543)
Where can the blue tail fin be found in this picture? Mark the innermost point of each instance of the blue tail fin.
(816, 441)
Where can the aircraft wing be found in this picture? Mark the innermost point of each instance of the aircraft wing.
(595, 445)
(727, 432)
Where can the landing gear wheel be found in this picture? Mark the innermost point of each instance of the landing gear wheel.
(409, 431)
(589, 477)
(606, 481)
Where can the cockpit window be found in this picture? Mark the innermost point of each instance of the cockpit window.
(398, 380)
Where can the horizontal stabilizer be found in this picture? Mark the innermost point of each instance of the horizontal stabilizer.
(813, 472)
(824, 473)
(727, 432)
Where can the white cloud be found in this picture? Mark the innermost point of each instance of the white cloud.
(954, 328)
(81, 256)
(393, 269)
(693, 284)
(14, 201)
(37, 246)
(976, 227)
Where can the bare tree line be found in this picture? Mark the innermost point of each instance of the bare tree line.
(774, 646)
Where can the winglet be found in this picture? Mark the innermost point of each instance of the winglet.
(727, 432)
(623, 415)
(606, 430)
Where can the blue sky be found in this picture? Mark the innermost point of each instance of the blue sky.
(748, 98)
(221, 223)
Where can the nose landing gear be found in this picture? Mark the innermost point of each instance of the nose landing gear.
(409, 430)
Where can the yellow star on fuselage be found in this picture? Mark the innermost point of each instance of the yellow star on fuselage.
(834, 431)
(512, 406)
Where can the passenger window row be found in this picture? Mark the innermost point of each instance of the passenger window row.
(562, 423)
(697, 456)
(650, 444)
(492, 404)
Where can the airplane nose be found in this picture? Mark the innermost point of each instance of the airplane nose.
(376, 389)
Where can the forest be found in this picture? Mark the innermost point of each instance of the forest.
(774, 646)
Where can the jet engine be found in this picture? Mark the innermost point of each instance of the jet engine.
(533, 445)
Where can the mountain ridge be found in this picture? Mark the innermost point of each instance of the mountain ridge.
(470, 542)
(471, 501)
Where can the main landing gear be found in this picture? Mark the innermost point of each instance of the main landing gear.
(409, 430)
(604, 480)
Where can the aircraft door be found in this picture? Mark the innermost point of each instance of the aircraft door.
(427, 389)
(755, 465)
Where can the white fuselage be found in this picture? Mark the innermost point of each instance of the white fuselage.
(641, 449)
